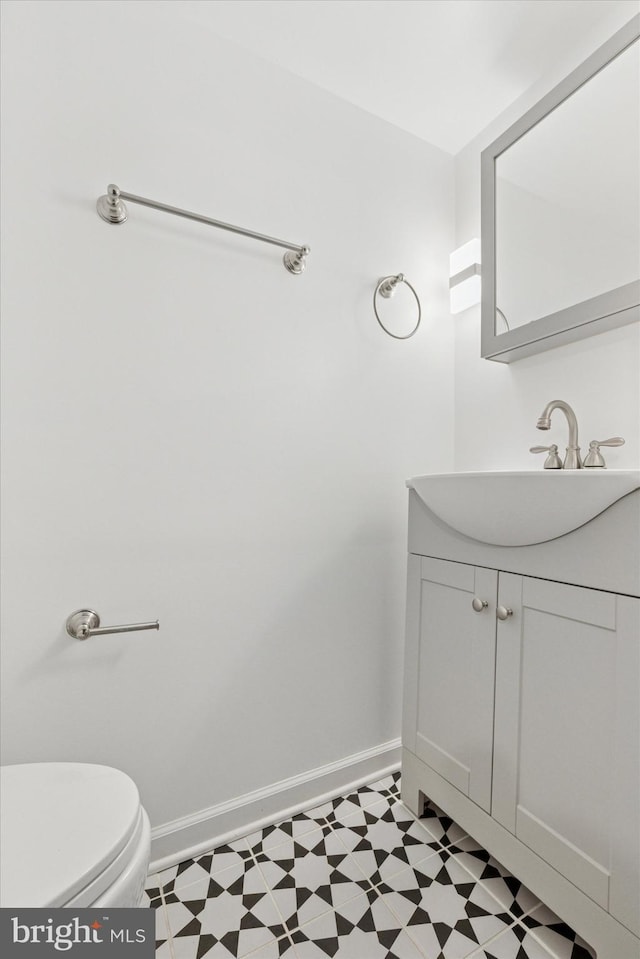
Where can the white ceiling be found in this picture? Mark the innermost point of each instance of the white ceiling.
(440, 69)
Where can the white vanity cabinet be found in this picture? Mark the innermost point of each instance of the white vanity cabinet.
(448, 716)
(525, 729)
(566, 734)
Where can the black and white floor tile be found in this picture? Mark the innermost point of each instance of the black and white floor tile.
(359, 877)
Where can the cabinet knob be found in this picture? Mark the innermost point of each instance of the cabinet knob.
(479, 604)
(503, 612)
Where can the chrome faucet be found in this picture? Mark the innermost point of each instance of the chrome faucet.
(572, 459)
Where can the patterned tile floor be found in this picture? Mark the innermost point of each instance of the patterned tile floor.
(356, 878)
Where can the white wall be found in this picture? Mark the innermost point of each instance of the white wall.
(191, 433)
(497, 405)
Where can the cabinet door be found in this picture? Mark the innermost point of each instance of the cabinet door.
(566, 748)
(448, 721)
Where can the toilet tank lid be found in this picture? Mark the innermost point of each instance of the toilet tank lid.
(61, 824)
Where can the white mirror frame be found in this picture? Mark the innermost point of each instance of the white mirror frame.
(596, 315)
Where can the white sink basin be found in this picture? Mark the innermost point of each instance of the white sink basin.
(522, 508)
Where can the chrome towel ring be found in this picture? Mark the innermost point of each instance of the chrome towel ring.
(386, 287)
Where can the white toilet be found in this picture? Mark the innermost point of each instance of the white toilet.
(72, 834)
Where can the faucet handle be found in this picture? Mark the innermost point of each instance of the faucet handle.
(553, 461)
(594, 458)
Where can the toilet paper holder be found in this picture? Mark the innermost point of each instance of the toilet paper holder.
(86, 622)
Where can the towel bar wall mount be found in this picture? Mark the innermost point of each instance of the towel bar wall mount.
(85, 623)
(111, 208)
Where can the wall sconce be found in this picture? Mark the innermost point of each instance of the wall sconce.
(464, 276)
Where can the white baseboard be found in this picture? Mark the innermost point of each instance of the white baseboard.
(199, 833)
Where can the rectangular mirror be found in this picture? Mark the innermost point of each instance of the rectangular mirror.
(561, 210)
